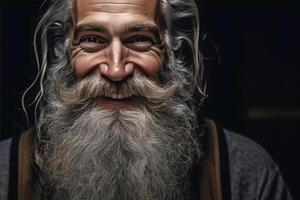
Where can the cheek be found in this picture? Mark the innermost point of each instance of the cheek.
(150, 66)
(149, 63)
(83, 63)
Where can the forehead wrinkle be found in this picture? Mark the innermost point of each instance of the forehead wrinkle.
(135, 2)
(116, 6)
(105, 8)
(111, 3)
(107, 4)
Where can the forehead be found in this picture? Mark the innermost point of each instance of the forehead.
(125, 8)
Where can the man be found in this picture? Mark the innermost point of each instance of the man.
(117, 115)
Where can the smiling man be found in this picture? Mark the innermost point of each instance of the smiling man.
(118, 114)
(115, 41)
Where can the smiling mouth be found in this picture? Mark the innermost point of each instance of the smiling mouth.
(118, 101)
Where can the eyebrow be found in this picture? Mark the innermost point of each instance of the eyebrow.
(88, 27)
(130, 29)
(144, 27)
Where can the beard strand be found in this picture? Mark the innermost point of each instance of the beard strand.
(138, 153)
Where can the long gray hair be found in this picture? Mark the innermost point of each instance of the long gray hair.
(179, 24)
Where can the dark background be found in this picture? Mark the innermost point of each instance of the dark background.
(252, 68)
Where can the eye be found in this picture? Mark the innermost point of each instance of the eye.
(92, 43)
(141, 39)
(140, 42)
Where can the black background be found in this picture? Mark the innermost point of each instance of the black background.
(252, 68)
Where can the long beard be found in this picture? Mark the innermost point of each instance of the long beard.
(139, 153)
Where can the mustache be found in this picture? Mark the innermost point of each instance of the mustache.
(95, 86)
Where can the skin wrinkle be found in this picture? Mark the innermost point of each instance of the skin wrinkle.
(89, 151)
(135, 57)
(106, 7)
(90, 29)
(116, 10)
(117, 59)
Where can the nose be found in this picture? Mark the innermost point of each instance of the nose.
(116, 68)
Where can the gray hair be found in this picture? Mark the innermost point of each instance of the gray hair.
(179, 23)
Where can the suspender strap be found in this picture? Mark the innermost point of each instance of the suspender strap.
(224, 164)
(210, 174)
(25, 166)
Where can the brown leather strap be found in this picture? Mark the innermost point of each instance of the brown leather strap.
(210, 174)
(25, 166)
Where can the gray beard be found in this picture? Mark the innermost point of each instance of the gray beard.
(130, 154)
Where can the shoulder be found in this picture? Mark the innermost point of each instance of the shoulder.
(11, 150)
(253, 173)
(5, 148)
(5, 154)
(245, 153)
(5, 151)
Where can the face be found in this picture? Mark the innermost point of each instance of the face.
(115, 39)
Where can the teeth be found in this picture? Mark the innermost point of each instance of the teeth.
(118, 96)
(114, 96)
(106, 94)
(125, 93)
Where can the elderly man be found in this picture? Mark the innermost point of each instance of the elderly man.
(118, 114)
